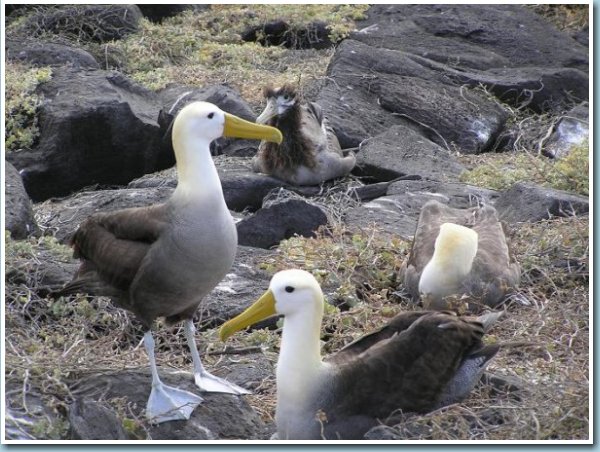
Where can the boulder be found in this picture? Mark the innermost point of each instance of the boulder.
(219, 416)
(370, 89)
(91, 420)
(529, 202)
(279, 221)
(157, 13)
(40, 53)
(18, 211)
(97, 23)
(397, 213)
(571, 130)
(314, 35)
(402, 151)
(96, 127)
(477, 36)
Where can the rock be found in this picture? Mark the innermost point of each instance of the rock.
(401, 151)
(219, 416)
(98, 23)
(314, 35)
(91, 420)
(157, 13)
(39, 53)
(472, 36)
(175, 97)
(279, 221)
(244, 283)
(540, 89)
(96, 127)
(397, 89)
(18, 211)
(397, 213)
(572, 129)
(529, 202)
(582, 36)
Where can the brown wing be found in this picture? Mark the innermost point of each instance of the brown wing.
(398, 324)
(495, 270)
(112, 245)
(408, 371)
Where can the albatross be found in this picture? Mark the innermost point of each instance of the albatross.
(418, 362)
(457, 253)
(162, 260)
(310, 152)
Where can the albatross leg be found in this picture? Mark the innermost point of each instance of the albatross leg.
(166, 403)
(204, 380)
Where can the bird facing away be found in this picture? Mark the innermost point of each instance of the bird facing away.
(162, 260)
(460, 254)
(310, 152)
(418, 362)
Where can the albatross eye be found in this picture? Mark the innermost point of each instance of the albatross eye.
(289, 289)
(211, 115)
(286, 97)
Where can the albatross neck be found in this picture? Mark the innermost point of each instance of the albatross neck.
(196, 171)
(300, 354)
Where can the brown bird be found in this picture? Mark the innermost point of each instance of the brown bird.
(162, 260)
(310, 152)
(418, 362)
(460, 253)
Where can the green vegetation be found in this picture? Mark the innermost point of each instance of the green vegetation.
(501, 171)
(22, 104)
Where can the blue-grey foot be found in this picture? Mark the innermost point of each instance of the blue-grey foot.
(167, 403)
(203, 379)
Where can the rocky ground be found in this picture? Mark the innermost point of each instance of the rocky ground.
(463, 104)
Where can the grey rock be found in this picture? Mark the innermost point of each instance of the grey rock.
(39, 53)
(219, 416)
(572, 129)
(472, 36)
(18, 211)
(90, 420)
(279, 221)
(157, 13)
(401, 151)
(369, 90)
(529, 202)
(397, 213)
(97, 23)
(96, 127)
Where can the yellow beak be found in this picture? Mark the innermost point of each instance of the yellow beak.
(269, 112)
(261, 309)
(240, 128)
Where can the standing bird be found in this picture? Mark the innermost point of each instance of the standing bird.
(418, 362)
(310, 152)
(162, 260)
(457, 253)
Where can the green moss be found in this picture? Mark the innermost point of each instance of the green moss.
(501, 171)
(22, 104)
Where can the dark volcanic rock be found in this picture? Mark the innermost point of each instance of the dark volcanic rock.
(571, 130)
(18, 211)
(279, 221)
(157, 13)
(99, 23)
(529, 202)
(96, 127)
(401, 151)
(91, 420)
(369, 90)
(472, 36)
(278, 32)
(39, 53)
(398, 212)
